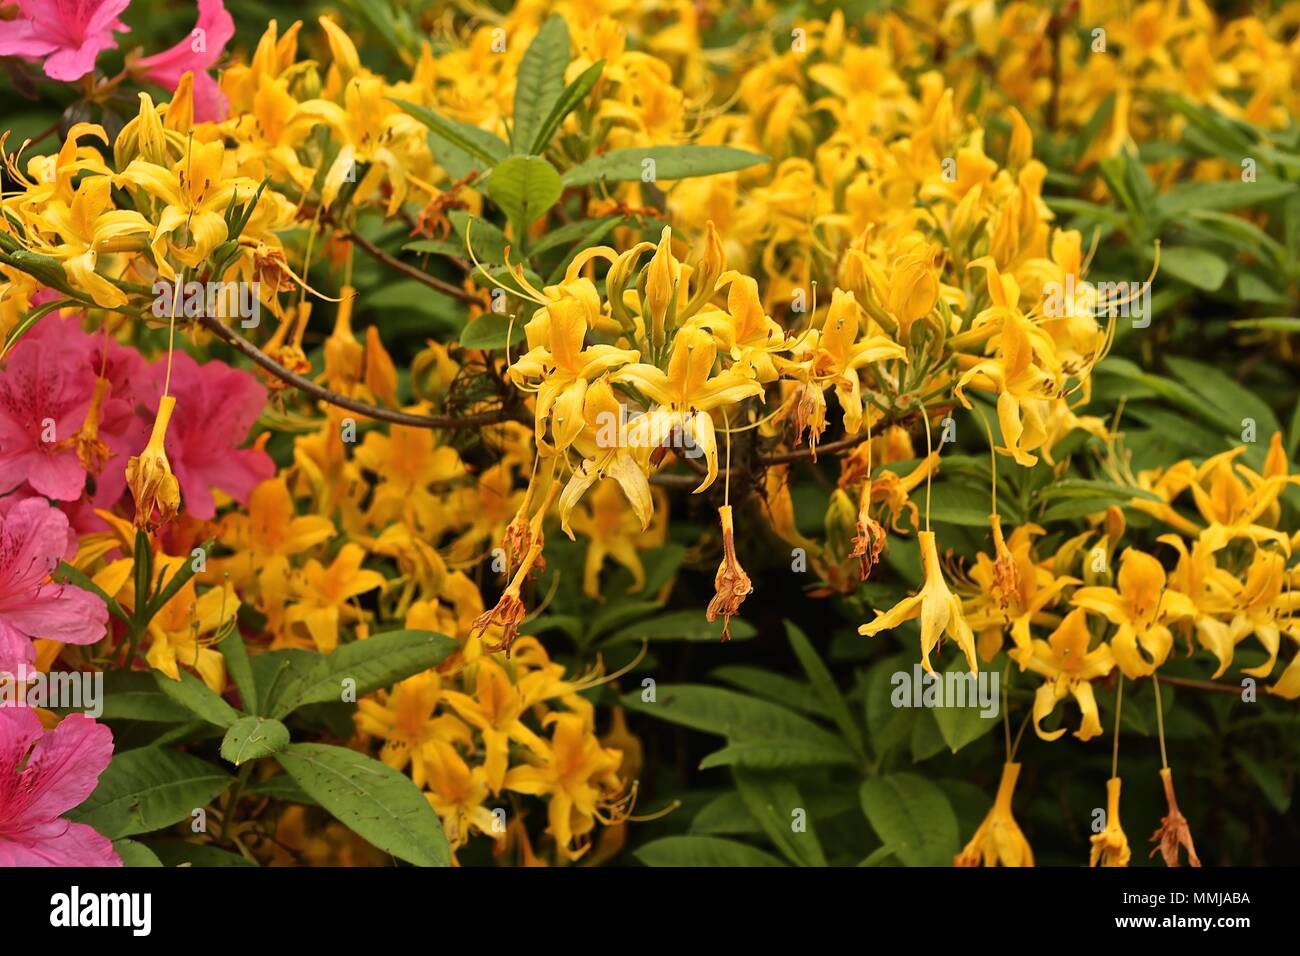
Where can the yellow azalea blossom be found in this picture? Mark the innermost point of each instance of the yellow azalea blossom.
(998, 840)
(323, 595)
(579, 776)
(191, 197)
(1068, 668)
(1110, 846)
(183, 632)
(269, 534)
(563, 369)
(689, 390)
(404, 720)
(938, 608)
(1141, 608)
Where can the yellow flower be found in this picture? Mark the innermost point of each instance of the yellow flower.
(404, 720)
(323, 595)
(578, 775)
(269, 533)
(1069, 668)
(1110, 846)
(194, 195)
(938, 608)
(689, 390)
(176, 633)
(998, 839)
(149, 475)
(1141, 609)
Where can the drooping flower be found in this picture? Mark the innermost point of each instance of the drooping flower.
(149, 474)
(64, 35)
(33, 538)
(196, 54)
(42, 776)
(1110, 846)
(998, 839)
(731, 584)
(1173, 831)
(938, 608)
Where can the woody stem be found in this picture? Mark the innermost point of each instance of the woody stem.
(264, 361)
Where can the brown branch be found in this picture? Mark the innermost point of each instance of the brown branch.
(264, 361)
(799, 454)
(433, 282)
(1189, 684)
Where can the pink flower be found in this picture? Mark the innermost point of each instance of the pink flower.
(61, 772)
(45, 391)
(216, 405)
(197, 53)
(66, 35)
(33, 538)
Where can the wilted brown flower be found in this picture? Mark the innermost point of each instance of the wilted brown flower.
(1173, 831)
(731, 583)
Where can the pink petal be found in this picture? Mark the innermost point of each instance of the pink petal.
(58, 843)
(167, 67)
(65, 765)
(16, 649)
(59, 612)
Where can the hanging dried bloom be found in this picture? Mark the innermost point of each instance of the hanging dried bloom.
(1173, 831)
(1006, 573)
(869, 542)
(92, 451)
(998, 840)
(1110, 846)
(149, 475)
(731, 583)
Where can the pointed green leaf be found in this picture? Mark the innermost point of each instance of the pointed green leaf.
(539, 82)
(251, 737)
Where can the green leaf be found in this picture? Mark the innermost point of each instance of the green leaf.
(148, 789)
(525, 187)
(1184, 198)
(670, 163)
(689, 625)
(377, 662)
(746, 722)
(1226, 397)
(912, 817)
(194, 695)
(180, 853)
(779, 688)
(963, 725)
(568, 101)
(539, 83)
(775, 755)
(134, 853)
(702, 851)
(481, 147)
(824, 684)
(580, 232)
(489, 242)
(725, 814)
(371, 799)
(1197, 267)
(134, 695)
(1268, 780)
(174, 584)
(251, 737)
(777, 805)
(490, 331)
(281, 787)
(278, 674)
(238, 667)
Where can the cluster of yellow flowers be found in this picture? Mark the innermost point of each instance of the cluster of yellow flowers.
(893, 257)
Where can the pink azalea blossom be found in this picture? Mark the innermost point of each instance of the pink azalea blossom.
(64, 35)
(43, 776)
(197, 53)
(33, 538)
(216, 405)
(45, 391)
